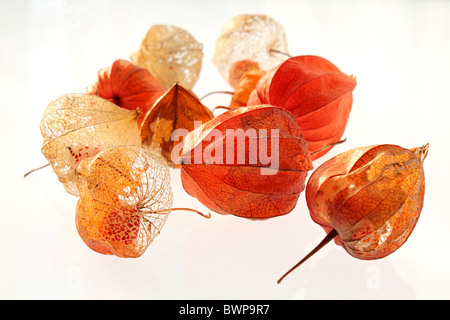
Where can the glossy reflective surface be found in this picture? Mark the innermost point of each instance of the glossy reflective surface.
(398, 51)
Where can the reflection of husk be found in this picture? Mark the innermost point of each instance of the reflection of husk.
(171, 55)
(125, 200)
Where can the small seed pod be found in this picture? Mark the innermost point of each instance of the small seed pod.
(78, 126)
(368, 199)
(125, 200)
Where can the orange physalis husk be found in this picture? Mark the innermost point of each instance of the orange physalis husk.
(78, 126)
(248, 79)
(177, 109)
(239, 68)
(127, 85)
(316, 92)
(368, 199)
(225, 163)
(125, 199)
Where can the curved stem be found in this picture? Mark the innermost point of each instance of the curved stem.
(36, 169)
(214, 92)
(329, 146)
(193, 210)
(330, 236)
(281, 52)
(220, 107)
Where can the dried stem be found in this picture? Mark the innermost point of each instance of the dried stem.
(329, 146)
(193, 210)
(330, 236)
(281, 52)
(220, 107)
(36, 169)
(214, 92)
(422, 152)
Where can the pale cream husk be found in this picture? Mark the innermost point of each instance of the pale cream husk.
(132, 180)
(78, 126)
(250, 37)
(171, 54)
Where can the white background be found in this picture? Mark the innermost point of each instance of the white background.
(399, 52)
